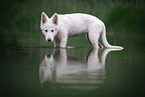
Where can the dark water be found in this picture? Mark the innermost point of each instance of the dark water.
(82, 72)
(30, 67)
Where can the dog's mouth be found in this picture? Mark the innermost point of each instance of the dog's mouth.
(49, 40)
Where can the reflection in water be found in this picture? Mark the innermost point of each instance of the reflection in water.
(74, 73)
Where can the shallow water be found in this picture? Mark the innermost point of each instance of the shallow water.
(30, 67)
(81, 72)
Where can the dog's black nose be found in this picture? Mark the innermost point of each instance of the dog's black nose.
(49, 40)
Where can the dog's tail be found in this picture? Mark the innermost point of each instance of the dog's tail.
(105, 42)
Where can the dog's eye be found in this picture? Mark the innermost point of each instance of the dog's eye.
(46, 30)
(52, 30)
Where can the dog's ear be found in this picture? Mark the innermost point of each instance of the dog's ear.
(44, 18)
(55, 19)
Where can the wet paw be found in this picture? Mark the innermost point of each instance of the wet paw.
(70, 47)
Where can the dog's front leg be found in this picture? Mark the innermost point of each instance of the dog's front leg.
(56, 43)
(63, 41)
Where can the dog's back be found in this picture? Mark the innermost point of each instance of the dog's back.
(77, 23)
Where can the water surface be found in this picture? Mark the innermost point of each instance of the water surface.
(30, 67)
(82, 72)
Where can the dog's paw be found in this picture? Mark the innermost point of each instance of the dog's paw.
(70, 47)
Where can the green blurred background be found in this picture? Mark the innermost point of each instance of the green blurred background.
(22, 47)
(20, 21)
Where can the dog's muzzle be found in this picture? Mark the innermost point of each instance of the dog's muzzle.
(48, 40)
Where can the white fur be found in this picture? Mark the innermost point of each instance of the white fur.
(68, 25)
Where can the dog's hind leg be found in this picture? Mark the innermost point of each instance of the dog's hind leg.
(94, 34)
(87, 37)
(94, 37)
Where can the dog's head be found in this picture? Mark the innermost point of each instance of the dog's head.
(49, 26)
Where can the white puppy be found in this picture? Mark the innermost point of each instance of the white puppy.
(59, 27)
